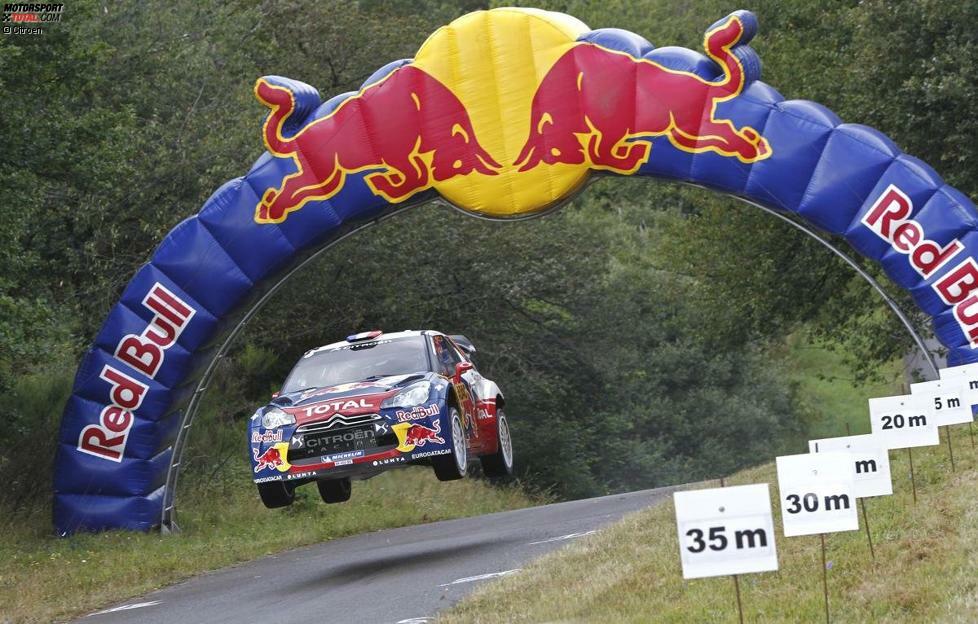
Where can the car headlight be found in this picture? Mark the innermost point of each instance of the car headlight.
(275, 417)
(415, 394)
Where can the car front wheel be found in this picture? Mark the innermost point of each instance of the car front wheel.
(499, 465)
(275, 494)
(335, 490)
(452, 466)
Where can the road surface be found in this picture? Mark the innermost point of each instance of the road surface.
(401, 575)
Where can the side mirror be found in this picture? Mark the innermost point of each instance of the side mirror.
(463, 367)
(275, 395)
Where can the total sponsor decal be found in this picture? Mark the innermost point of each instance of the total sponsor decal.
(273, 457)
(889, 218)
(410, 435)
(107, 438)
(419, 412)
(335, 406)
(268, 436)
(485, 410)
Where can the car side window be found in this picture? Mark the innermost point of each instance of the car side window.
(445, 355)
(459, 353)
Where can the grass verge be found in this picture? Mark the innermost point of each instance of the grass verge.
(924, 570)
(44, 579)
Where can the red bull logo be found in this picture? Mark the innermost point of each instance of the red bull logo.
(502, 128)
(411, 435)
(272, 457)
(585, 111)
(408, 126)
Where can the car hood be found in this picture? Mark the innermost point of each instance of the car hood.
(360, 397)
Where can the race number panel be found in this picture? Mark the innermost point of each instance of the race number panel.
(968, 376)
(817, 493)
(870, 461)
(726, 531)
(944, 395)
(903, 421)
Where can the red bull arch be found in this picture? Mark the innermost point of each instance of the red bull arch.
(503, 114)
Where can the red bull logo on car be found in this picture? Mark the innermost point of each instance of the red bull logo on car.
(411, 435)
(272, 457)
(515, 131)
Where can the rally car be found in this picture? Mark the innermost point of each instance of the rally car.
(375, 401)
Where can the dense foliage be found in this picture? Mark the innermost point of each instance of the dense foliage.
(632, 331)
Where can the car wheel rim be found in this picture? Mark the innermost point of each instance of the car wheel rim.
(505, 441)
(458, 442)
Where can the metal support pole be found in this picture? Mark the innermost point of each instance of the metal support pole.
(825, 579)
(869, 536)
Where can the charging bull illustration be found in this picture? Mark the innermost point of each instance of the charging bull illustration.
(594, 102)
(408, 126)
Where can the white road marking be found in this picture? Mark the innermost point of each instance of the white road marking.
(563, 537)
(481, 577)
(420, 620)
(128, 607)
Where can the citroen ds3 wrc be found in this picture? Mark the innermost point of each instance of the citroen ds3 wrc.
(353, 409)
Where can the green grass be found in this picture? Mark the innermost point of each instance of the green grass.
(43, 578)
(924, 571)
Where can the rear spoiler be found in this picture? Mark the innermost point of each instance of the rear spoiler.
(464, 343)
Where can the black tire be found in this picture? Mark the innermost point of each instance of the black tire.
(335, 490)
(452, 466)
(499, 465)
(275, 494)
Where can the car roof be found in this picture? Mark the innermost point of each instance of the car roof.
(384, 336)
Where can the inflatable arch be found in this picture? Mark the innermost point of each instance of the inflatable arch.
(503, 114)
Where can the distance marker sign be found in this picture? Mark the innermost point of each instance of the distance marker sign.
(870, 461)
(817, 493)
(725, 531)
(967, 374)
(945, 396)
(903, 421)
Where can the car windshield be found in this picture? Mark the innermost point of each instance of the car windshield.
(357, 362)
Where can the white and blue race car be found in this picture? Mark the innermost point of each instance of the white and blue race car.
(375, 401)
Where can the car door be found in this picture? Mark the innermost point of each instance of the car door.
(448, 358)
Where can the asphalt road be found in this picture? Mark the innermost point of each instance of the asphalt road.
(400, 575)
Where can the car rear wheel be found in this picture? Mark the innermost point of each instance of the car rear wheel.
(335, 490)
(499, 465)
(452, 466)
(275, 494)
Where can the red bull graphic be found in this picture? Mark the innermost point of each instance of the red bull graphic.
(408, 126)
(411, 435)
(272, 457)
(418, 412)
(107, 438)
(418, 435)
(145, 352)
(585, 110)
